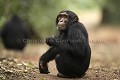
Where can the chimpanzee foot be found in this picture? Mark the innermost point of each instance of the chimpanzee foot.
(66, 76)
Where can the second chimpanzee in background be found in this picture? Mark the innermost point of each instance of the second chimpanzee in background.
(13, 33)
(70, 48)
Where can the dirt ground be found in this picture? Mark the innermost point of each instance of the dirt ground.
(105, 59)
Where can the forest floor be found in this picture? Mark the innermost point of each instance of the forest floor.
(105, 59)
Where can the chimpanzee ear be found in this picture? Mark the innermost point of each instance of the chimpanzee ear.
(76, 18)
(56, 20)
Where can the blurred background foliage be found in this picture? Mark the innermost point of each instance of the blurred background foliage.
(41, 14)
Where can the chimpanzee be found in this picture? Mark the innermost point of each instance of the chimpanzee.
(70, 48)
(13, 33)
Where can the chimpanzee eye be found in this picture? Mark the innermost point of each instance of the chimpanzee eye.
(59, 18)
(65, 16)
(60, 15)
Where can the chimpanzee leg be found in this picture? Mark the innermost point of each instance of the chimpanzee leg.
(45, 58)
(68, 66)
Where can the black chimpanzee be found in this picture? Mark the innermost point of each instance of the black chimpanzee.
(13, 33)
(70, 48)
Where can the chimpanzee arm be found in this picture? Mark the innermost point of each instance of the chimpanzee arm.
(50, 54)
(45, 58)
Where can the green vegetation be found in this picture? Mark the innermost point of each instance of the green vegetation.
(42, 13)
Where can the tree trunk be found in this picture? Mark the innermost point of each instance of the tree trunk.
(111, 12)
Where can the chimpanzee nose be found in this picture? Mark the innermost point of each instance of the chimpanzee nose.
(61, 20)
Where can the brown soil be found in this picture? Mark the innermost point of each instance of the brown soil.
(15, 69)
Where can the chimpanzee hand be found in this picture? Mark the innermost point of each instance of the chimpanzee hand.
(51, 41)
(43, 68)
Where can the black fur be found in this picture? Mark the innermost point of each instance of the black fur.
(70, 49)
(13, 33)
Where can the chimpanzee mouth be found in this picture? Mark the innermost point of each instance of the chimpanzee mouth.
(60, 27)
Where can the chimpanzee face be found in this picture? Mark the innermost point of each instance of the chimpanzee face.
(62, 20)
